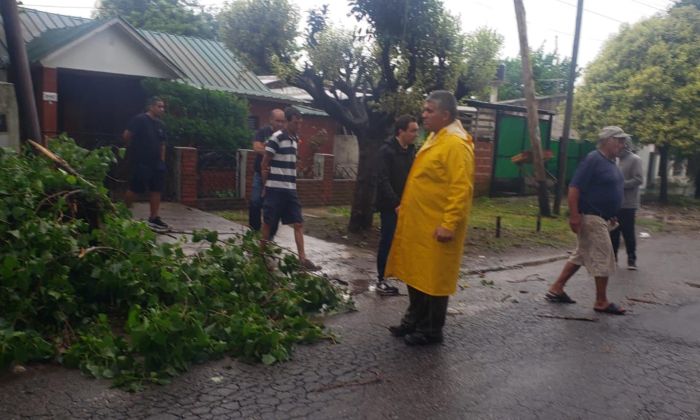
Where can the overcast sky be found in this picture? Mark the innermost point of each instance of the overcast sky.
(550, 22)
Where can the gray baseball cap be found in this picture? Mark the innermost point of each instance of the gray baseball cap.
(612, 131)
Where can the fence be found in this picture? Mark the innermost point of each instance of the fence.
(216, 174)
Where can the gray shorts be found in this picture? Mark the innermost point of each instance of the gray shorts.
(594, 248)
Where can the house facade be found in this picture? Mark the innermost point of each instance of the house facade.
(87, 79)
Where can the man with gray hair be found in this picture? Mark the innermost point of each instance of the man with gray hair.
(631, 166)
(426, 250)
(595, 196)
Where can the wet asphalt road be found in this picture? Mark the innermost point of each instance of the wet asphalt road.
(507, 354)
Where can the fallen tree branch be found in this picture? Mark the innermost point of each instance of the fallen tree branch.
(569, 318)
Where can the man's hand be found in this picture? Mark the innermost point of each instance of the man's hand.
(575, 222)
(397, 209)
(443, 235)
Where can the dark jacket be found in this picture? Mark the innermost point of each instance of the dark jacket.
(393, 164)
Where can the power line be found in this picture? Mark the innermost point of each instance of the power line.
(648, 5)
(592, 12)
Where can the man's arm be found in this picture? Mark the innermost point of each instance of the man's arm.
(460, 173)
(265, 167)
(574, 214)
(127, 136)
(637, 178)
(259, 146)
(383, 179)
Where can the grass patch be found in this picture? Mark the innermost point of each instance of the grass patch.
(518, 226)
(239, 216)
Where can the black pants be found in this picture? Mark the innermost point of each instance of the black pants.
(388, 221)
(425, 313)
(626, 219)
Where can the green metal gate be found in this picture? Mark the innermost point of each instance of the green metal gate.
(512, 138)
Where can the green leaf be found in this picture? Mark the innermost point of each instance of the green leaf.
(268, 359)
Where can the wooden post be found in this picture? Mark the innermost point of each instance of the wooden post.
(498, 226)
(532, 115)
(20, 70)
(563, 142)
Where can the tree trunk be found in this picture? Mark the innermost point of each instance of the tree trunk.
(362, 211)
(663, 172)
(697, 183)
(532, 114)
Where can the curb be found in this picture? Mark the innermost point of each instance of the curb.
(515, 266)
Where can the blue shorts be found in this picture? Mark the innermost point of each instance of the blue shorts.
(147, 178)
(279, 204)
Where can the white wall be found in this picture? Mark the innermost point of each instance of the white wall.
(112, 50)
(346, 152)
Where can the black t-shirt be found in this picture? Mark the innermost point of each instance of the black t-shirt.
(147, 136)
(261, 135)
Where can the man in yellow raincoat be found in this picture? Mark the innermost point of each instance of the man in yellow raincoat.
(427, 249)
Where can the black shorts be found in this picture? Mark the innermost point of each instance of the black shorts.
(147, 178)
(279, 204)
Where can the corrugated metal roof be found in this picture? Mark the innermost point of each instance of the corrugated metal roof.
(35, 23)
(205, 63)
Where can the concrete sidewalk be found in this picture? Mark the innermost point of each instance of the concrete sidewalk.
(348, 264)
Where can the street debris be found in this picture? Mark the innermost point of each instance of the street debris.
(531, 277)
(568, 317)
(651, 302)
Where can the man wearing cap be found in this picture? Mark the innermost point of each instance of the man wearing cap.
(631, 166)
(595, 196)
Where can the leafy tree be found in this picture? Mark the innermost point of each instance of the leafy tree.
(363, 78)
(260, 30)
(647, 80)
(683, 3)
(180, 17)
(549, 70)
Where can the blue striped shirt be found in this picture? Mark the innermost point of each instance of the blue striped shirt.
(283, 165)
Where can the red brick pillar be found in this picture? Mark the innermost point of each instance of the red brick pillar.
(47, 102)
(483, 155)
(187, 175)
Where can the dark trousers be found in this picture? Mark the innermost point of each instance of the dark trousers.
(425, 313)
(255, 207)
(388, 226)
(626, 219)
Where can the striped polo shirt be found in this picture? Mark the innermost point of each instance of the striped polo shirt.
(283, 165)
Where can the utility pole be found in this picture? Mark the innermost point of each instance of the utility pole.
(564, 141)
(22, 77)
(532, 115)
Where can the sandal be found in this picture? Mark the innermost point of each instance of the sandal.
(308, 265)
(611, 309)
(558, 298)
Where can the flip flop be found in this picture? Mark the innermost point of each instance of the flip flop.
(558, 298)
(611, 309)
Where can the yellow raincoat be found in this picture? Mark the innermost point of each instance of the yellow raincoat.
(438, 192)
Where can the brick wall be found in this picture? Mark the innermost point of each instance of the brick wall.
(343, 191)
(483, 153)
(187, 171)
(212, 181)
